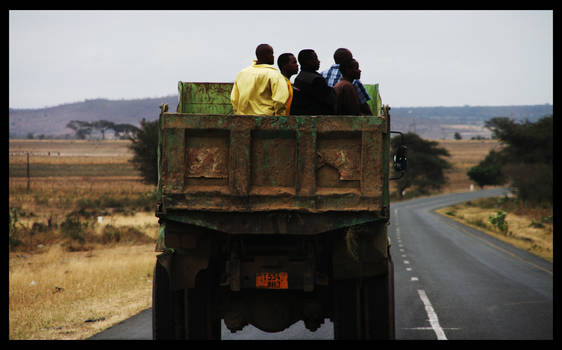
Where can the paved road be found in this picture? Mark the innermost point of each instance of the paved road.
(454, 282)
(451, 282)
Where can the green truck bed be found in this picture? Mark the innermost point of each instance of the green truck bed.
(212, 161)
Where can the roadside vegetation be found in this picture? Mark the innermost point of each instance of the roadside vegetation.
(524, 163)
(81, 243)
(529, 227)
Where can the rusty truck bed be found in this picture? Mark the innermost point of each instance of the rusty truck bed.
(225, 163)
(252, 163)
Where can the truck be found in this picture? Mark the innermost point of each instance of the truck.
(270, 220)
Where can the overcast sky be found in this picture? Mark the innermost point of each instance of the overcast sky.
(419, 58)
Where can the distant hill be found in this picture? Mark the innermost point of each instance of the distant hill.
(442, 122)
(428, 122)
(52, 121)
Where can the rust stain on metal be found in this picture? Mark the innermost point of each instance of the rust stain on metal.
(206, 162)
(344, 161)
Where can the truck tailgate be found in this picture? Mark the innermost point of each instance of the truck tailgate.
(232, 163)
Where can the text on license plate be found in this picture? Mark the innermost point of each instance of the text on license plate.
(272, 280)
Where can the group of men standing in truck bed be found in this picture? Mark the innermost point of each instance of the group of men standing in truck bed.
(261, 89)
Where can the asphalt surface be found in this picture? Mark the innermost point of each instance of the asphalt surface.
(451, 282)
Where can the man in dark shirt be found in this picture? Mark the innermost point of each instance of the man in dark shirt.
(314, 96)
(333, 75)
(347, 101)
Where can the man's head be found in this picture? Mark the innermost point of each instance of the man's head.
(308, 60)
(264, 54)
(287, 64)
(350, 69)
(341, 55)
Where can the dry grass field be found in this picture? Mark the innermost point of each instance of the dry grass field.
(82, 237)
(57, 294)
(464, 154)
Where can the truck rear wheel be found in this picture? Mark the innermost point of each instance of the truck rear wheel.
(364, 308)
(162, 305)
(187, 313)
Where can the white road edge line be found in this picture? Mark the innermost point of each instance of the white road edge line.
(433, 319)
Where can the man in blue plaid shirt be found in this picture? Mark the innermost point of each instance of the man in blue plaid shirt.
(333, 75)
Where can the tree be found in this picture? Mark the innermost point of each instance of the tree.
(144, 146)
(525, 142)
(425, 165)
(488, 171)
(84, 129)
(103, 126)
(458, 136)
(124, 131)
(527, 156)
(81, 128)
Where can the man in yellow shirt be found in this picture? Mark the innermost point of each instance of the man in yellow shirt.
(288, 66)
(260, 89)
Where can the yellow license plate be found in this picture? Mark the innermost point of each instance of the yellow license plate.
(272, 280)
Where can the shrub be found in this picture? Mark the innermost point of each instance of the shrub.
(532, 182)
(536, 224)
(73, 228)
(488, 171)
(499, 221)
(479, 223)
(110, 234)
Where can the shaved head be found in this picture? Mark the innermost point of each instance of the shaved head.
(264, 54)
(341, 55)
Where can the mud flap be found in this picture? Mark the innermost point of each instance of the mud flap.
(361, 251)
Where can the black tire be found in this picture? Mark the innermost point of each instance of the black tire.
(364, 308)
(162, 305)
(203, 318)
(169, 311)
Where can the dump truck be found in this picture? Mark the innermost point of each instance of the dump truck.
(269, 220)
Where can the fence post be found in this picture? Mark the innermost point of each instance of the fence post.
(27, 172)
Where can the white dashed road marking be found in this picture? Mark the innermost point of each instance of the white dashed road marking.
(433, 319)
(432, 316)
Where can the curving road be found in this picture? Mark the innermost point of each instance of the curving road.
(451, 282)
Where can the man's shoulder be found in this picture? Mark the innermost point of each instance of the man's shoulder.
(270, 71)
(262, 70)
(309, 76)
(246, 70)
